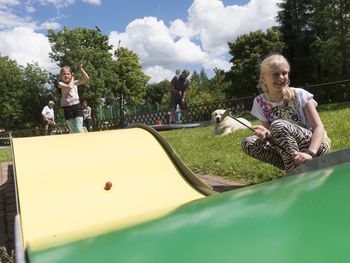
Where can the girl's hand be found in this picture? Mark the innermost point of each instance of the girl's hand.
(261, 132)
(301, 157)
(71, 83)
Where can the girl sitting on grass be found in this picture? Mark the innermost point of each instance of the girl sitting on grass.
(291, 132)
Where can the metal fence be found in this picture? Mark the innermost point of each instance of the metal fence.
(331, 92)
(196, 113)
(334, 92)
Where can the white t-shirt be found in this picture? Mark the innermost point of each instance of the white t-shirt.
(48, 112)
(70, 98)
(266, 110)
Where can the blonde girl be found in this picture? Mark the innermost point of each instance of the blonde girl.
(291, 132)
(73, 112)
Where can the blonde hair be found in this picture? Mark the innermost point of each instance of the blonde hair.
(267, 63)
(65, 68)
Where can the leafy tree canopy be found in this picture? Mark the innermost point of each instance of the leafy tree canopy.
(247, 52)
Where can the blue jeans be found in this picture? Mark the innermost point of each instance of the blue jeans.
(75, 125)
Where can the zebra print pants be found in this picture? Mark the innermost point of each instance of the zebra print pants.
(289, 138)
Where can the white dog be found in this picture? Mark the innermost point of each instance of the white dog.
(224, 124)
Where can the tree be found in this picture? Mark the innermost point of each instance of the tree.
(155, 92)
(204, 89)
(218, 85)
(37, 94)
(247, 51)
(198, 92)
(331, 47)
(295, 25)
(132, 80)
(11, 90)
(81, 45)
(24, 92)
(317, 37)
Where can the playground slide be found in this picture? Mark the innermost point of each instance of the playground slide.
(61, 183)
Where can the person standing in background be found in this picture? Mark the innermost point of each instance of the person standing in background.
(87, 122)
(178, 87)
(48, 115)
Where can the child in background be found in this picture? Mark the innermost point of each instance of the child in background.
(73, 112)
(291, 132)
(87, 123)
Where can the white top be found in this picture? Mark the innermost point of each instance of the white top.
(48, 112)
(87, 112)
(70, 98)
(266, 110)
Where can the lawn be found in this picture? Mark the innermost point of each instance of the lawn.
(5, 154)
(222, 155)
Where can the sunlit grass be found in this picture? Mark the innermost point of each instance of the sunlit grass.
(222, 155)
(5, 154)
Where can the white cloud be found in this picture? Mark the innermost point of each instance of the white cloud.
(49, 25)
(199, 40)
(178, 28)
(9, 20)
(6, 3)
(216, 24)
(152, 41)
(94, 2)
(66, 3)
(25, 46)
(158, 73)
(57, 3)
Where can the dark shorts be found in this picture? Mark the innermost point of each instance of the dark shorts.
(73, 111)
(177, 100)
(87, 123)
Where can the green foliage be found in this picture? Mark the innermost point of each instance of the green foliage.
(23, 94)
(11, 90)
(198, 92)
(218, 85)
(247, 52)
(113, 81)
(132, 80)
(222, 155)
(317, 38)
(5, 154)
(70, 47)
(155, 92)
(331, 46)
(203, 89)
(37, 94)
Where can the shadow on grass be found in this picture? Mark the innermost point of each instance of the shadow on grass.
(334, 106)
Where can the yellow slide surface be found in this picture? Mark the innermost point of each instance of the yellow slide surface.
(61, 180)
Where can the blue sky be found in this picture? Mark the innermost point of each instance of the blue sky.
(165, 34)
(116, 15)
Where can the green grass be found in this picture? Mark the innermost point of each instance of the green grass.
(222, 155)
(5, 154)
